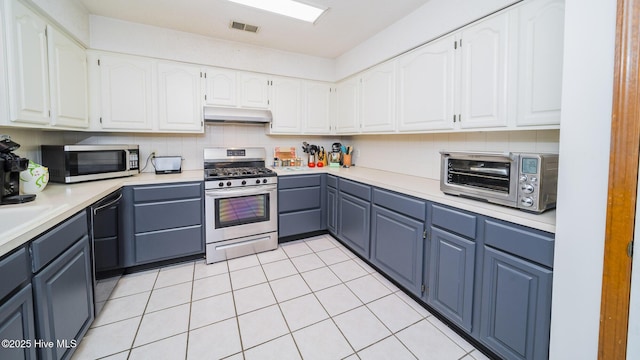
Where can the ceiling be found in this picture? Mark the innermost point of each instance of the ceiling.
(346, 24)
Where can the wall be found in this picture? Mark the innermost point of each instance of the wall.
(419, 154)
(69, 15)
(433, 19)
(189, 146)
(583, 178)
(138, 39)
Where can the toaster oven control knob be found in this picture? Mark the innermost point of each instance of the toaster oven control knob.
(523, 178)
(228, 183)
(258, 181)
(527, 188)
(526, 202)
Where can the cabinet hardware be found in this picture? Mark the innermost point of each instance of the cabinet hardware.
(454, 118)
(101, 120)
(630, 249)
(424, 234)
(459, 117)
(205, 97)
(423, 288)
(455, 44)
(98, 62)
(460, 42)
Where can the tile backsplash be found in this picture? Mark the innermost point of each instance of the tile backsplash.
(412, 154)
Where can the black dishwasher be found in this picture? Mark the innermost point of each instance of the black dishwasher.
(105, 220)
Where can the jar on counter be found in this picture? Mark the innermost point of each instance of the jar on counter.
(298, 162)
(276, 162)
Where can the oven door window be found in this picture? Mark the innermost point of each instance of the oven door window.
(96, 162)
(241, 210)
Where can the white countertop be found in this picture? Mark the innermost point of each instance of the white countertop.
(429, 189)
(23, 222)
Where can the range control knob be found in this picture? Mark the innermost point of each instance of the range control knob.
(264, 181)
(526, 202)
(258, 181)
(523, 178)
(228, 183)
(527, 188)
(221, 184)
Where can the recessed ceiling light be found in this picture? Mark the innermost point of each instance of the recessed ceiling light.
(289, 8)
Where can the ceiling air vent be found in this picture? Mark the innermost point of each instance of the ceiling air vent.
(246, 27)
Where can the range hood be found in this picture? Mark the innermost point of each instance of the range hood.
(216, 114)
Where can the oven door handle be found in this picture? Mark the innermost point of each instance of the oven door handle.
(242, 191)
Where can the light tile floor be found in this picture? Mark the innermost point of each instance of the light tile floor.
(309, 299)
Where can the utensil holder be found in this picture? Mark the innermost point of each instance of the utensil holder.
(346, 160)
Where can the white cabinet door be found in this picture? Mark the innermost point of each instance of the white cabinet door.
(254, 90)
(540, 51)
(286, 105)
(68, 80)
(221, 87)
(347, 102)
(378, 98)
(126, 92)
(426, 88)
(484, 73)
(317, 107)
(179, 97)
(28, 85)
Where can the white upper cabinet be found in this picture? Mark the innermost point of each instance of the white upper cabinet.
(484, 73)
(68, 81)
(426, 87)
(220, 88)
(317, 107)
(127, 98)
(286, 105)
(29, 69)
(254, 90)
(179, 97)
(347, 106)
(378, 98)
(46, 72)
(540, 49)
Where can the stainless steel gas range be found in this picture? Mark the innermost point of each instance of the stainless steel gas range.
(241, 205)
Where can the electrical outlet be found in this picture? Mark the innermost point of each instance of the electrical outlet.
(357, 153)
(153, 153)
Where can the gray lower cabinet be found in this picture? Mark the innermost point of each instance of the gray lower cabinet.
(301, 204)
(354, 219)
(452, 259)
(332, 204)
(63, 287)
(162, 222)
(398, 237)
(451, 277)
(16, 309)
(516, 291)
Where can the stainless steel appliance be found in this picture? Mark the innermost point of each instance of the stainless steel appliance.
(10, 167)
(106, 239)
(241, 204)
(76, 163)
(527, 181)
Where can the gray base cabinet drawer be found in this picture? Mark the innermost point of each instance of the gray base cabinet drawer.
(48, 246)
(299, 181)
(18, 265)
(166, 192)
(356, 189)
(516, 306)
(17, 323)
(168, 215)
(453, 220)
(168, 244)
(402, 204)
(300, 222)
(64, 300)
(298, 199)
(527, 243)
(397, 247)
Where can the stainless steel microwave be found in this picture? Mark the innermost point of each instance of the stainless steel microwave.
(527, 181)
(76, 163)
